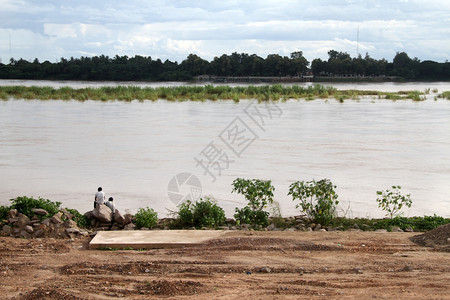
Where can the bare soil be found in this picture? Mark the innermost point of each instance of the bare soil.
(248, 265)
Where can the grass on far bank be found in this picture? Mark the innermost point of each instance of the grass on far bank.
(202, 93)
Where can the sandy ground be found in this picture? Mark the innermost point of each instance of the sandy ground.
(247, 265)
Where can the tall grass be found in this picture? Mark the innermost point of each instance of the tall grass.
(201, 93)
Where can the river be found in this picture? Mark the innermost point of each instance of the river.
(64, 150)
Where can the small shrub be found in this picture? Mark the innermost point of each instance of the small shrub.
(3, 212)
(203, 213)
(317, 199)
(393, 201)
(25, 204)
(258, 193)
(146, 217)
(80, 219)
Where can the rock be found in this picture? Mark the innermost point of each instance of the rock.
(247, 226)
(12, 213)
(28, 229)
(354, 230)
(409, 229)
(67, 214)
(6, 229)
(119, 218)
(357, 270)
(13, 220)
(291, 229)
(25, 234)
(103, 213)
(130, 226)
(23, 221)
(396, 229)
(39, 233)
(365, 227)
(46, 222)
(223, 228)
(70, 224)
(39, 211)
(73, 230)
(381, 230)
(322, 229)
(356, 226)
(317, 227)
(128, 219)
(265, 270)
(407, 268)
(271, 227)
(233, 228)
(89, 215)
(56, 219)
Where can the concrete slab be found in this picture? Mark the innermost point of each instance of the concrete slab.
(148, 239)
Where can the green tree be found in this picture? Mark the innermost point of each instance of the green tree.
(392, 201)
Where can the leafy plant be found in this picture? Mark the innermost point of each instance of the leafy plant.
(318, 199)
(393, 201)
(146, 217)
(80, 219)
(3, 212)
(203, 213)
(258, 193)
(25, 204)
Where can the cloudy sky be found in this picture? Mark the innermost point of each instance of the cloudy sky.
(51, 29)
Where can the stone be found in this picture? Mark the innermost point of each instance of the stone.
(271, 227)
(25, 234)
(70, 224)
(396, 229)
(103, 213)
(130, 226)
(23, 220)
(6, 229)
(13, 220)
(233, 228)
(73, 230)
(128, 219)
(28, 229)
(39, 211)
(245, 226)
(317, 227)
(407, 268)
(89, 215)
(67, 214)
(291, 229)
(354, 230)
(357, 270)
(12, 213)
(265, 270)
(322, 229)
(381, 230)
(119, 218)
(56, 219)
(409, 229)
(46, 222)
(39, 233)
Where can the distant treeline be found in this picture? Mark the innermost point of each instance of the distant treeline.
(136, 68)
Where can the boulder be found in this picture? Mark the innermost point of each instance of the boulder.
(39, 211)
(129, 226)
(70, 224)
(119, 218)
(29, 229)
(67, 214)
(46, 222)
(12, 213)
(7, 229)
(23, 221)
(89, 215)
(103, 213)
(56, 219)
(271, 227)
(128, 219)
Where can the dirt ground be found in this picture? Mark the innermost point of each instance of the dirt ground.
(242, 264)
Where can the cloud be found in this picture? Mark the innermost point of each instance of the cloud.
(173, 29)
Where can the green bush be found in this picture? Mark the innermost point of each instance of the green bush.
(80, 219)
(317, 199)
(25, 204)
(146, 217)
(203, 213)
(416, 223)
(3, 212)
(258, 193)
(393, 201)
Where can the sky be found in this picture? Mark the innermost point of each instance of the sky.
(52, 29)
